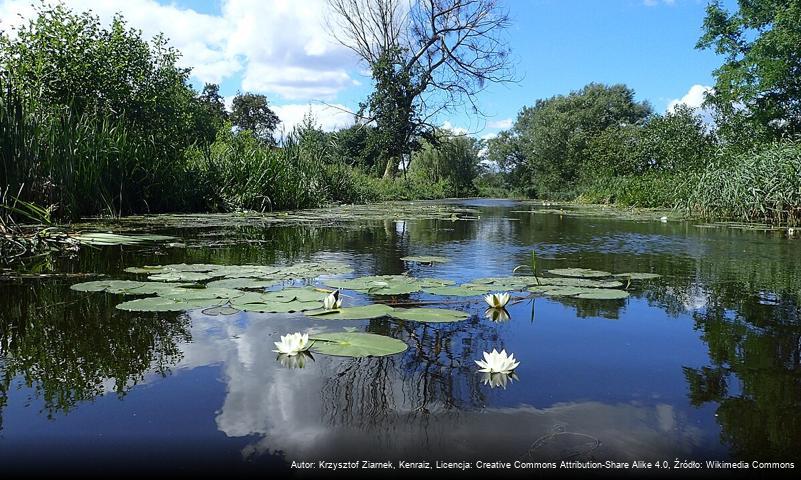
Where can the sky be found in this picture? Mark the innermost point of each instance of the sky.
(281, 49)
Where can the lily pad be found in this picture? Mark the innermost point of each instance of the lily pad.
(580, 282)
(638, 275)
(452, 291)
(244, 283)
(110, 286)
(428, 315)
(302, 294)
(364, 312)
(579, 272)
(220, 310)
(275, 307)
(181, 276)
(356, 344)
(425, 259)
(604, 294)
(161, 304)
(189, 294)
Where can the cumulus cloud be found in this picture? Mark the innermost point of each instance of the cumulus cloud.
(693, 98)
(447, 125)
(277, 47)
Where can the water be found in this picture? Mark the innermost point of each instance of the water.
(700, 364)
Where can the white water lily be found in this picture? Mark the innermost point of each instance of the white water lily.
(332, 301)
(497, 362)
(293, 344)
(497, 315)
(497, 300)
(497, 379)
(294, 361)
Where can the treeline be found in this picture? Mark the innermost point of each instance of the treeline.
(97, 120)
(743, 161)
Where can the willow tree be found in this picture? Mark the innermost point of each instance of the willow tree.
(426, 57)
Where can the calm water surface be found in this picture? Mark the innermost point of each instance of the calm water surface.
(702, 363)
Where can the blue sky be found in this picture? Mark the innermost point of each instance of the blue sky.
(279, 48)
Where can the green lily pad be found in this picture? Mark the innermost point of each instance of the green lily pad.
(161, 304)
(220, 310)
(452, 291)
(275, 307)
(580, 282)
(110, 286)
(363, 312)
(425, 259)
(638, 275)
(429, 315)
(169, 276)
(604, 294)
(579, 272)
(244, 283)
(157, 288)
(189, 294)
(146, 269)
(356, 344)
(302, 294)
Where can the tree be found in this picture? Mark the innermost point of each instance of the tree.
(251, 111)
(426, 57)
(550, 141)
(758, 88)
(454, 159)
(209, 115)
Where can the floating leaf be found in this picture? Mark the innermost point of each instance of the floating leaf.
(638, 275)
(110, 286)
(356, 344)
(425, 259)
(579, 272)
(157, 288)
(303, 294)
(580, 282)
(244, 283)
(428, 315)
(604, 294)
(353, 313)
(188, 294)
(146, 269)
(220, 310)
(275, 307)
(452, 291)
(169, 276)
(161, 304)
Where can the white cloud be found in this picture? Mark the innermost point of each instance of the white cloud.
(447, 125)
(693, 98)
(277, 47)
(502, 124)
(329, 117)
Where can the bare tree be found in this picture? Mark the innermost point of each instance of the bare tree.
(426, 57)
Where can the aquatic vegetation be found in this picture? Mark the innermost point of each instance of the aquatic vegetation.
(497, 379)
(497, 315)
(453, 291)
(117, 239)
(376, 310)
(425, 259)
(579, 272)
(293, 344)
(497, 300)
(332, 301)
(388, 284)
(495, 362)
(428, 315)
(295, 361)
(356, 344)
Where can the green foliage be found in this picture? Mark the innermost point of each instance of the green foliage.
(252, 112)
(549, 143)
(758, 88)
(765, 185)
(454, 160)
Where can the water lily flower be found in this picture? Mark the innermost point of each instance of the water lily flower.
(293, 344)
(332, 301)
(294, 361)
(497, 300)
(497, 315)
(497, 362)
(497, 379)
